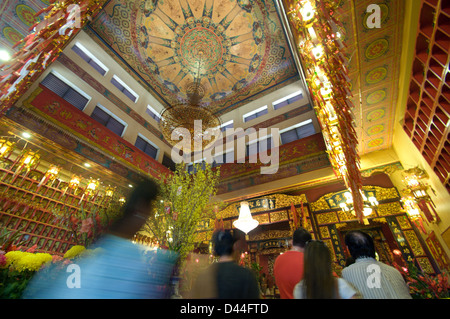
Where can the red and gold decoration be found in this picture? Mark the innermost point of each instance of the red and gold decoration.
(40, 48)
(322, 55)
(91, 187)
(416, 198)
(28, 160)
(50, 175)
(193, 123)
(6, 147)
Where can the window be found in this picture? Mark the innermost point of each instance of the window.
(101, 115)
(66, 91)
(150, 111)
(147, 147)
(226, 125)
(256, 113)
(287, 100)
(167, 162)
(223, 158)
(119, 84)
(90, 58)
(297, 132)
(190, 167)
(259, 146)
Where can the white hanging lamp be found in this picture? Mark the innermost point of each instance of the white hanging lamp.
(245, 222)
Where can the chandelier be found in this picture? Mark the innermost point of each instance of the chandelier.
(190, 119)
(245, 222)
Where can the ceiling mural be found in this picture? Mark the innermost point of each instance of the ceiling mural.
(374, 56)
(237, 48)
(16, 18)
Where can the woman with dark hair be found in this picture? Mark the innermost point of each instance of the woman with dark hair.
(318, 279)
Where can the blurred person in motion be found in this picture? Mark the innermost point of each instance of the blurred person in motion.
(225, 279)
(374, 279)
(288, 267)
(318, 281)
(119, 270)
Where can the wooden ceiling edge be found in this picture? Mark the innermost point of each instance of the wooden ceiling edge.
(411, 21)
(309, 184)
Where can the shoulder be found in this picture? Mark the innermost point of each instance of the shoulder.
(297, 293)
(346, 290)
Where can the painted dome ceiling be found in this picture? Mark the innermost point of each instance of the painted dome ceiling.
(237, 48)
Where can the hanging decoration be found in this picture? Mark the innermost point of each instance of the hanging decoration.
(43, 45)
(417, 191)
(6, 148)
(413, 212)
(51, 174)
(109, 192)
(90, 188)
(73, 184)
(190, 123)
(29, 160)
(321, 53)
(295, 217)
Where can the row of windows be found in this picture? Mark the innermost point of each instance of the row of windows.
(276, 105)
(87, 56)
(116, 125)
(79, 99)
(287, 135)
(100, 113)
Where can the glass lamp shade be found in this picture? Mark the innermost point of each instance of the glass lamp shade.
(245, 221)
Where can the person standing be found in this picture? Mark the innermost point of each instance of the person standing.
(288, 267)
(225, 279)
(374, 279)
(118, 270)
(318, 281)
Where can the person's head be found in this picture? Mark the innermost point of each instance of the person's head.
(319, 282)
(300, 237)
(137, 209)
(223, 242)
(360, 244)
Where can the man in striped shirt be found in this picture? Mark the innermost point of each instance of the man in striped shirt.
(374, 279)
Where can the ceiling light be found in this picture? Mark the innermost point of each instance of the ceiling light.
(4, 55)
(26, 134)
(245, 222)
(307, 11)
(87, 165)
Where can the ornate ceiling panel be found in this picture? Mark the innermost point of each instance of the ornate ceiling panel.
(375, 59)
(16, 17)
(238, 47)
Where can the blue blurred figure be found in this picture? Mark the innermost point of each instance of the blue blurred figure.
(118, 270)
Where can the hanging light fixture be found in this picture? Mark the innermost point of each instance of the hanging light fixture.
(109, 192)
(190, 116)
(75, 181)
(29, 160)
(417, 190)
(90, 188)
(245, 222)
(6, 147)
(51, 174)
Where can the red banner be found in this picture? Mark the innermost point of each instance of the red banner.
(57, 110)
